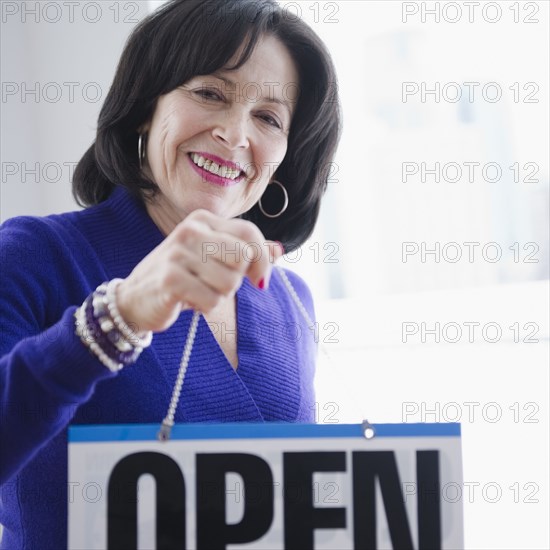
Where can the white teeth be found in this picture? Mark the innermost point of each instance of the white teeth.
(214, 168)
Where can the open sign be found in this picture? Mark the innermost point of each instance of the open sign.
(265, 486)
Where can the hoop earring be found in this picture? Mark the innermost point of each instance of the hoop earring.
(141, 149)
(285, 203)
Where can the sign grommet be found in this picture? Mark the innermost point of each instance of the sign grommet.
(368, 429)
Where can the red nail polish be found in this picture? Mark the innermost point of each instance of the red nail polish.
(261, 284)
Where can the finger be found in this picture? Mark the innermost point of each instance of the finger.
(222, 278)
(227, 249)
(191, 291)
(239, 244)
(204, 237)
(225, 260)
(258, 253)
(276, 250)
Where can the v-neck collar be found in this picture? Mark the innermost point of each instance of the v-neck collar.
(224, 330)
(213, 390)
(272, 373)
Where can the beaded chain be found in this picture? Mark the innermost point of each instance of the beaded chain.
(168, 422)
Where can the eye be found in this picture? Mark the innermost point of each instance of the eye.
(272, 121)
(209, 94)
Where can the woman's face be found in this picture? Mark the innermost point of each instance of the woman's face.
(216, 141)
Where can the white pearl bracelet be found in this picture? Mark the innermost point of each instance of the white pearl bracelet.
(137, 339)
(102, 329)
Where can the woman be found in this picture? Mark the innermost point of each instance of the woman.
(214, 142)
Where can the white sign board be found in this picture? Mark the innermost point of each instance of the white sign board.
(266, 486)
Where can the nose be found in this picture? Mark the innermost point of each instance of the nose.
(231, 129)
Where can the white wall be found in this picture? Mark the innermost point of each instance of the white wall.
(58, 62)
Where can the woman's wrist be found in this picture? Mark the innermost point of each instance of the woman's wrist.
(123, 303)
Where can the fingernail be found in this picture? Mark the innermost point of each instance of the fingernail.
(261, 284)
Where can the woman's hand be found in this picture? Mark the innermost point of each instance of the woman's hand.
(203, 260)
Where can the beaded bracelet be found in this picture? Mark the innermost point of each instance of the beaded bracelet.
(101, 328)
(102, 339)
(141, 339)
(82, 331)
(101, 313)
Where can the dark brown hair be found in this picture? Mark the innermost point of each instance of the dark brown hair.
(186, 38)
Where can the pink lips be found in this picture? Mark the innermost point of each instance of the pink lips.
(214, 178)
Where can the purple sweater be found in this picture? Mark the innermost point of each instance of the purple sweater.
(49, 379)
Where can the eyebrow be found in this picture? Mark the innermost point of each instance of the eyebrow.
(275, 100)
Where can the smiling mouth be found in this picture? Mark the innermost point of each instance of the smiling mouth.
(220, 170)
